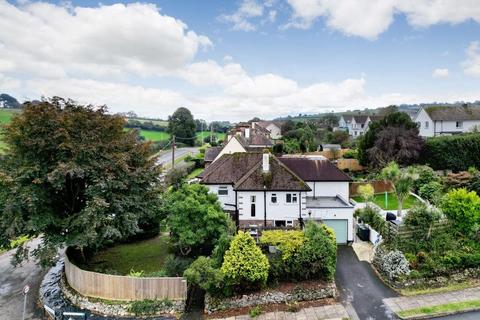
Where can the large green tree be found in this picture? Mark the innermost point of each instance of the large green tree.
(182, 125)
(75, 177)
(195, 218)
(396, 123)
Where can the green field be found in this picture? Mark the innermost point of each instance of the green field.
(5, 116)
(162, 123)
(159, 136)
(379, 200)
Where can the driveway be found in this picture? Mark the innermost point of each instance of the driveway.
(12, 281)
(360, 287)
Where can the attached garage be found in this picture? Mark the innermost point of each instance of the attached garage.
(340, 227)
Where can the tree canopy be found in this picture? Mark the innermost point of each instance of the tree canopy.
(182, 125)
(76, 177)
(393, 138)
(207, 222)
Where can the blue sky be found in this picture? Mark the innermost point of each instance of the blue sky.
(238, 59)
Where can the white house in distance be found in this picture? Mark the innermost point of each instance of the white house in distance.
(356, 125)
(259, 189)
(274, 128)
(447, 120)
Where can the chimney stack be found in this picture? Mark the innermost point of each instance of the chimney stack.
(247, 133)
(266, 162)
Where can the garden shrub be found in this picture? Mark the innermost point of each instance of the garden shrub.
(463, 209)
(425, 176)
(203, 273)
(371, 216)
(350, 154)
(244, 265)
(175, 265)
(421, 221)
(456, 152)
(220, 248)
(392, 264)
(317, 257)
(431, 191)
(288, 241)
(149, 307)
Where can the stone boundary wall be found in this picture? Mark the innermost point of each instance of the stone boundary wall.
(270, 297)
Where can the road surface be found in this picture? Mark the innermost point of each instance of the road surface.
(165, 157)
(12, 281)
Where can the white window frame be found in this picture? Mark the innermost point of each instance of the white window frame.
(293, 198)
(289, 223)
(274, 196)
(427, 123)
(222, 191)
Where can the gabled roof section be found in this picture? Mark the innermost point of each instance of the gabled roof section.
(453, 113)
(278, 178)
(212, 153)
(230, 168)
(315, 169)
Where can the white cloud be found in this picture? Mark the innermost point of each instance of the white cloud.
(52, 40)
(369, 18)
(249, 9)
(440, 73)
(471, 65)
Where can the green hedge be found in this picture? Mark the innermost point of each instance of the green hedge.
(457, 152)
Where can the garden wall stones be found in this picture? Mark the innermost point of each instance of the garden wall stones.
(270, 297)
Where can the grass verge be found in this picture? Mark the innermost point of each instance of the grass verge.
(448, 308)
(450, 287)
(194, 173)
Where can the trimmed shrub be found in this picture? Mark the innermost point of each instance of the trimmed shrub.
(425, 176)
(463, 209)
(287, 241)
(175, 265)
(350, 154)
(244, 265)
(457, 152)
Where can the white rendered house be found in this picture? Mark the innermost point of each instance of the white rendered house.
(446, 120)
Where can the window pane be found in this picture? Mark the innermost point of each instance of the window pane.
(289, 198)
(274, 198)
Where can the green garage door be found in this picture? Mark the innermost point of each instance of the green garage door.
(341, 229)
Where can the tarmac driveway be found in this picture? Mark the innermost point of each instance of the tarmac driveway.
(360, 287)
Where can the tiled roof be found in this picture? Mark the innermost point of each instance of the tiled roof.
(457, 113)
(314, 169)
(245, 172)
(212, 153)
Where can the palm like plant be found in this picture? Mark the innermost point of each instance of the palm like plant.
(402, 182)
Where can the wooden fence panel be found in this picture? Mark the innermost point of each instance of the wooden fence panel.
(379, 186)
(111, 287)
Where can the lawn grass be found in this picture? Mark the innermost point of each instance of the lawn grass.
(453, 307)
(219, 135)
(379, 200)
(160, 135)
(450, 287)
(147, 255)
(195, 173)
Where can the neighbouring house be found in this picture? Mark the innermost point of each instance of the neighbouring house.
(259, 189)
(243, 140)
(447, 120)
(274, 128)
(356, 125)
(211, 154)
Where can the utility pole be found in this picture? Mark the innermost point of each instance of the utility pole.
(173, 151)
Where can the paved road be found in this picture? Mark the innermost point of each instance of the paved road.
(12, 280)
(360, 287)
(166, 156)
